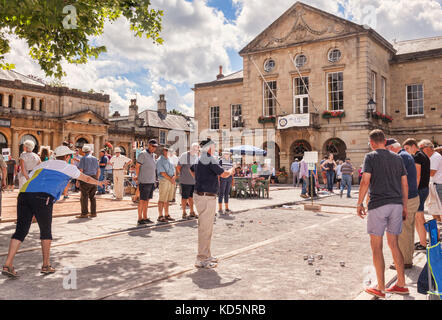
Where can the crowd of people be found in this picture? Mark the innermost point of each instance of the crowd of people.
(400, 181)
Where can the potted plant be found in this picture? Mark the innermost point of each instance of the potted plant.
(333, 114)
(282, 176)
(266, 119)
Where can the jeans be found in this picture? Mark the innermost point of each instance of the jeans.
(224, 189)
(295, 178)
(330, 179)
(346, 181)
(305, 184)
(100, 189)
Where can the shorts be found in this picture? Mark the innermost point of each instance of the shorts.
(167, 191)
(187, 191)
(388, 217)
(146, 191)
(423, 195)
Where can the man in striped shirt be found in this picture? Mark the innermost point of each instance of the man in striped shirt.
(347, 174)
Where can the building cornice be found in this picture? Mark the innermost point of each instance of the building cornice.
(57, 91)
(218, 83)
(416, 56)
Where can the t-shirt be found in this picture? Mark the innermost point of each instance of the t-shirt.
(295, 167)
(186, 161)
(50, 177)
(347, 168)
(226, 164)
(103, 160)
(255, 168)
(147, 173)
(436, 164)
(78, 158)
(422, 159)
(410, 166)
(386, 169)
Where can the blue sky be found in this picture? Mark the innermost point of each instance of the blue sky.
(198, 38)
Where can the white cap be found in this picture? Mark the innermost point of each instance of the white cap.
(117, 150)
(62, 151)
(86, 149)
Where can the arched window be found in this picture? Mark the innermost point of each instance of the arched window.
(23, 103)
(11, 100)
(29, 137)
(40, 107)
(1, 100)
(80, 143)
(33, 104)
(123, 150)
(3, 141)
(299, 147)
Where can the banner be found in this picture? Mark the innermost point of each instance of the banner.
(294, 120)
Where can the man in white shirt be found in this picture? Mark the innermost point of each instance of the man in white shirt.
(427, 147)
(174, 159)
(119, 164)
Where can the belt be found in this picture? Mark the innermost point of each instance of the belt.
(202, 194)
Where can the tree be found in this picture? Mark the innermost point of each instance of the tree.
(176, 112)
(57, 30)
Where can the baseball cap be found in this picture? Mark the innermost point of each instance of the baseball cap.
(62, 151)
(153, 143)
(391, 141)
(206, 143)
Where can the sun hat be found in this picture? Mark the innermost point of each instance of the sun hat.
(117, 150)
(62, 151)
(86, 149)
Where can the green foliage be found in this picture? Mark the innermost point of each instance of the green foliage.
(174, 111)
(57, 30)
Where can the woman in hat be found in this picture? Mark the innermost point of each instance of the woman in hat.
(28, 161)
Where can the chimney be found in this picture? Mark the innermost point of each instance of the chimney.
(133, 110)
(162, 108)
(220, 76)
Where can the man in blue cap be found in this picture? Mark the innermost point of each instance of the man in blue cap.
(207, 171)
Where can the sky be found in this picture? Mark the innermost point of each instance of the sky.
(201, 35)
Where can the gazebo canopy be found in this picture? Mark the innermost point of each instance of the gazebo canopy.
(248, 150)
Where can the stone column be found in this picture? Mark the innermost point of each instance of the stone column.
(15, 144)
(96, 145)
(4, 101)
(46, 138)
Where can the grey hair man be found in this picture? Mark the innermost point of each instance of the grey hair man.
(88, 166)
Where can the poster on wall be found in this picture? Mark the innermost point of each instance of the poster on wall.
(294, 120)
(6, 153)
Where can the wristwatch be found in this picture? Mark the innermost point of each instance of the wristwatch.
(360, 205)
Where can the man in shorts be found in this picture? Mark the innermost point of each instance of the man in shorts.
(384, 173)
(187, 179)
(145, 176)
(167, 181)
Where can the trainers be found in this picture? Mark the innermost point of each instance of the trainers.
(82, 216)
(398, 290)
(220, 212)
(147, 221)
(93, 215)
(420, 247)
(228, 211)
(304, 196)
(205, 265)
(141, 222)
(375, 292)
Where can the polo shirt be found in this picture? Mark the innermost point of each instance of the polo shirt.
(148, 167)
(89, 165)
(165, 165)
(118, 163)
(206, 172)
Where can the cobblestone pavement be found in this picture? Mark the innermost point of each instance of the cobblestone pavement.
(262, 248)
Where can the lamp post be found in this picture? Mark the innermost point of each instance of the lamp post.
(371, 107)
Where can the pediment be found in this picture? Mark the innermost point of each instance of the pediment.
(301, 23)
(88, 116)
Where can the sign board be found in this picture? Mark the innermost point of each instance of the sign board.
(294, 120)
(5, 123)
(311, 157)
(6, 153)
(311, 166)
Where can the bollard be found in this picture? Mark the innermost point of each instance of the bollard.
(342, 263)
(318, 272)
(310, 262)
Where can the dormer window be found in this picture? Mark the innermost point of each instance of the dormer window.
(269, 65)
(334, 55)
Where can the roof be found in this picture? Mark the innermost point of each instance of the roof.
(153, 118)
(236, 77)
(11, 75)
(418, 45)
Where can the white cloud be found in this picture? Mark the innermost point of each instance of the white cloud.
(197, 39)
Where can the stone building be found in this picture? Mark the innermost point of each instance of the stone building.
(30, 109)
(140, 127)
(328, 83)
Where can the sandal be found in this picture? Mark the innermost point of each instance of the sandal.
(169, 218)
(9, 272)
(193, 215)
(185, 216)
(162, 219)
(47, 270)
